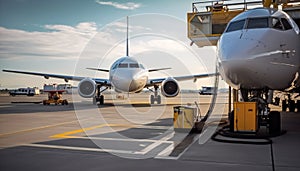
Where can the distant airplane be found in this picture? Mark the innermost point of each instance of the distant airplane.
(260, 52)
(126, 75)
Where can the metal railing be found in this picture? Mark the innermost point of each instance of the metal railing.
(209, 6)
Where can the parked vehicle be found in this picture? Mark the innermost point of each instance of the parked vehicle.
(25, 91)
(207, 91)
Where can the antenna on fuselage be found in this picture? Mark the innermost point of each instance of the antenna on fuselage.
(127, 43)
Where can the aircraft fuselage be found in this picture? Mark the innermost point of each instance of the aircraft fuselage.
(127, 75)
(260, 49)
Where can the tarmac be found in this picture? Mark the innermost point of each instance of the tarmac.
(129, 134)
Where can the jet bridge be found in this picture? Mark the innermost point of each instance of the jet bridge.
(293, 11)
(208, 19)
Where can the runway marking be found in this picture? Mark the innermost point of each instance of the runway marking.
(155, 127)
(67, 134)
(157, 143)
(38, 128)
(119, 139)
(163, 154)
(154, 143)
(79, 148)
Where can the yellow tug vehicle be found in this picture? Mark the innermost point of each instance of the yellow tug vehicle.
(55, 97)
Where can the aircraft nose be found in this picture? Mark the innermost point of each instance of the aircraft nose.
(244, 46)
(234, 50)
(130, 81)
(137, 76)
(241, 60)
(138, 81)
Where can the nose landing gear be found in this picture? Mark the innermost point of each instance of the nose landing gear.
(155, 97)
(99, 98)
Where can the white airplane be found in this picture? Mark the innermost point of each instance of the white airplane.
(125, 75)
(259, 52)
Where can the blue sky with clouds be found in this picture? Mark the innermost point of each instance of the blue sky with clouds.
(49, 36)
(33, 15)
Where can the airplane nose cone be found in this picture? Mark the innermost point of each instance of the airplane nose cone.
(138, 82)
(238, 58)
(247, 44)
(130, 81)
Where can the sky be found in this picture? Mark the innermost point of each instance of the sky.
(66, 36)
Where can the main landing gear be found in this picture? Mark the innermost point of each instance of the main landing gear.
(155, 97)
(99, 98)
(290, 104)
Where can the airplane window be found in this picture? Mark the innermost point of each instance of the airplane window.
(286, 24)
(123, 65)
(276, 24)
(115, 66)
(237, 25)
(141, 66)
(257, 23)
(133, 65)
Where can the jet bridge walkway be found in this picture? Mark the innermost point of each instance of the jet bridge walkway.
(208, 19)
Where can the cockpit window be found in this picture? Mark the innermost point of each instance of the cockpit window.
(237, 25)
(115, 66)
(254, 23)
(123, 65)
(133, 65)
(286, 24)
(141, 66)
(276, 24)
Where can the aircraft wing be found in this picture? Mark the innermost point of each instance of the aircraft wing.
(158, 69)
(156, 81)
(104, 82)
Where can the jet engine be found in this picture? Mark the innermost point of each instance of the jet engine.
(87, 88)
(170, 87)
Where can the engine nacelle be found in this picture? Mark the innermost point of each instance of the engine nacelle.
(87, 88)
(170, 87)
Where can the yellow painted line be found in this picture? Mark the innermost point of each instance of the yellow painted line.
(37, 128)
(69, 133)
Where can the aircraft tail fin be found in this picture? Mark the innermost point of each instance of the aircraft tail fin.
(127, 41)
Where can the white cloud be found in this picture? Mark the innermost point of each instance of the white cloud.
(125, 6)
(56, 50)
(121, 27)
(60, 42)
(84, 28)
